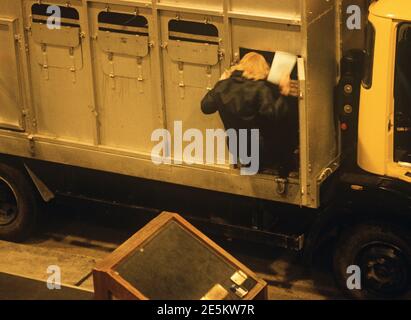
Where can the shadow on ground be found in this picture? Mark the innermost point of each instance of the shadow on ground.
(104, 227)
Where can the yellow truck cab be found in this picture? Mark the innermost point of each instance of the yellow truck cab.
(385, 107)
(375, 115)
(80, 103)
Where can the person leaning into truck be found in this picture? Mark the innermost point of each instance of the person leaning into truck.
(246, 100)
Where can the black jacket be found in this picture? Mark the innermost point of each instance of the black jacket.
(248, 104)
(244, 103)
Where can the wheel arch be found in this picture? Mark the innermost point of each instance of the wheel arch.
(381, 204)
(38, 184)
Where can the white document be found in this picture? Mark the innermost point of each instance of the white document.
(283, 64)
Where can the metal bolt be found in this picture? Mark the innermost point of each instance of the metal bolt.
(348, 89)
(348, 109)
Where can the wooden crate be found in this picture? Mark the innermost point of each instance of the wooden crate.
(169, 259)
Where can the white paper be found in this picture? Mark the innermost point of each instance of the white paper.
(283, 64)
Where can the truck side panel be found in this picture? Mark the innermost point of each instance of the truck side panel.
(11, 78)
(60, 74)
(323, 152)
(118, 70)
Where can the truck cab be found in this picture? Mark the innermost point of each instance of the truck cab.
(384, 137)
(374, 100)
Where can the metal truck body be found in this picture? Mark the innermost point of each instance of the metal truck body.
(92, 93)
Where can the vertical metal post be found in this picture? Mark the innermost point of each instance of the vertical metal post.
(157, 65)
(30, 121)
(89, 69)
(305, 173)
(228, 42)
(304, 160)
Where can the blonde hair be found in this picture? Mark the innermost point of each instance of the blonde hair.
(253, 65)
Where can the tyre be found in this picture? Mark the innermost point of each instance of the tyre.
(383, 255)
(18, 206)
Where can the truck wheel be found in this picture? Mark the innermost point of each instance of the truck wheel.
(382, 253)
(18, 207)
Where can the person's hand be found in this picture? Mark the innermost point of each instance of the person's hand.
(285, 85)
(289, 87)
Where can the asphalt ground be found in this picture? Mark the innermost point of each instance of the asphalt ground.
(77, 236)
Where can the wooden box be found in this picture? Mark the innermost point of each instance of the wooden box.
(169, 259)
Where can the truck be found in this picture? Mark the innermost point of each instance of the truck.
(84, 84)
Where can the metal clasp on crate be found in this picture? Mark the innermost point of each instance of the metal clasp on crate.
(181, 84)
(32, 146)
(140, 78)
(73, 69)
(282, 185)
(45, 62)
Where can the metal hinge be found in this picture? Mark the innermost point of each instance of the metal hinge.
(32, 146)
(18, 37)
(390, 125)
